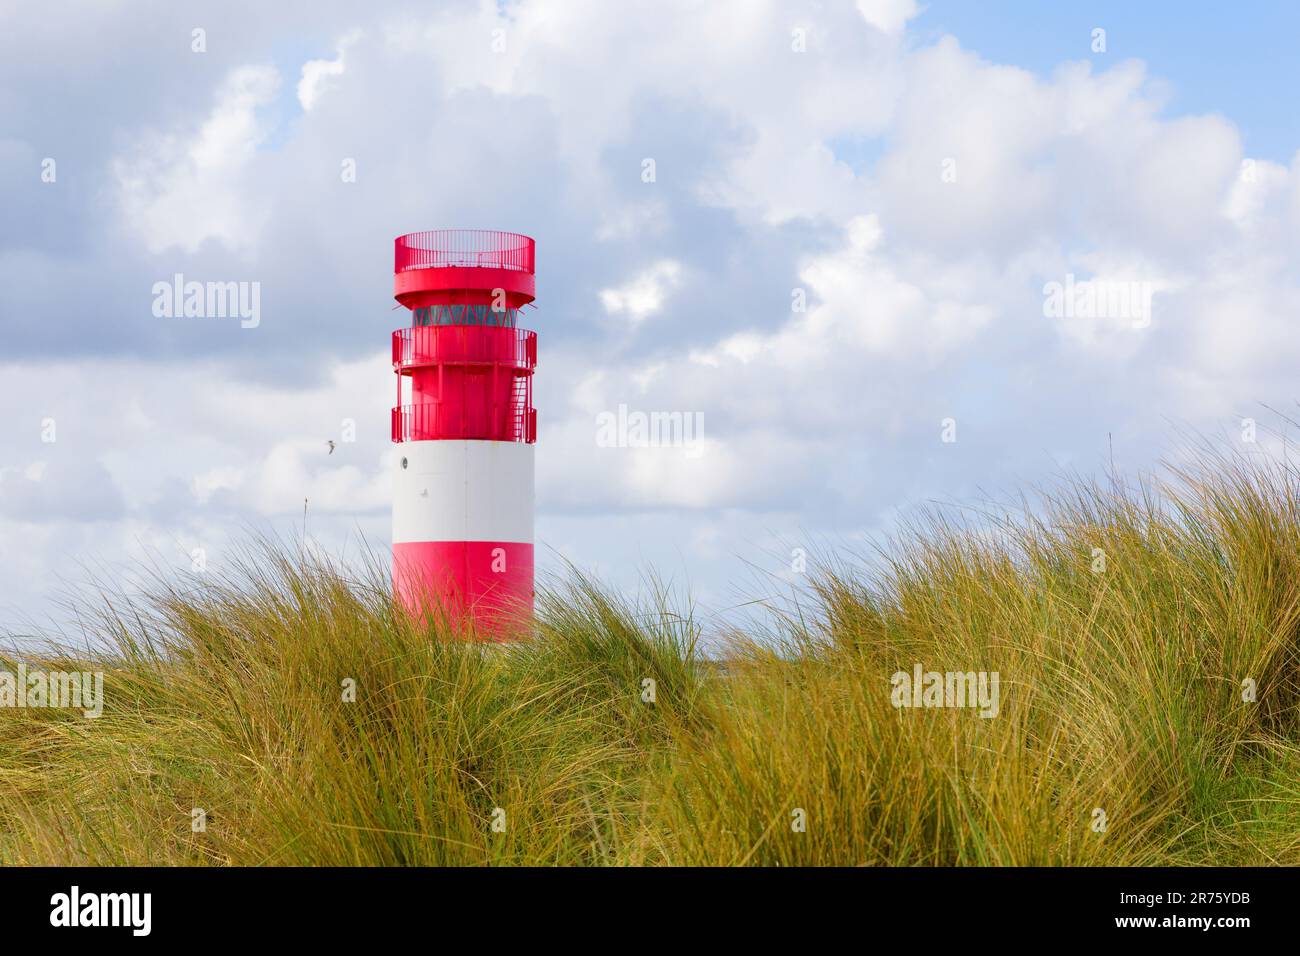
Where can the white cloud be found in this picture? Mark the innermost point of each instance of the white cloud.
(317, 75)
(181, 188)
(644, 295)
(888, 16)
(224, 478)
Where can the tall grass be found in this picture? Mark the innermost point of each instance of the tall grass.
(1125, 625)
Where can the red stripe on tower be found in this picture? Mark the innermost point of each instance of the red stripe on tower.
(463, 475)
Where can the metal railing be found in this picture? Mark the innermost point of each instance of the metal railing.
(422, 345)
(487, 248)
(433, 421)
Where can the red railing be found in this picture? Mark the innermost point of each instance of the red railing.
(435, 421)
(467, 382)
(423, 345)
(439, 248)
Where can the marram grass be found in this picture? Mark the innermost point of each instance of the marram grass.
(1129, 630)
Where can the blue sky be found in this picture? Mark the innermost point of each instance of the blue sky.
(1238, 60)
(916, 177)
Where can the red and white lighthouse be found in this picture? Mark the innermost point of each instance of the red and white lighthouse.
(463, 472)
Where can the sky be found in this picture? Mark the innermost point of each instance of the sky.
(887, 254)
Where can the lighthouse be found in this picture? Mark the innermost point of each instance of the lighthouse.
(464, 427)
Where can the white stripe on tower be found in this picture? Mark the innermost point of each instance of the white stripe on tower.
(449, 490)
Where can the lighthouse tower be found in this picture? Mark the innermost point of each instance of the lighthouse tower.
(465, 427)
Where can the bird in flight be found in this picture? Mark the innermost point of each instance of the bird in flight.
(331, 444)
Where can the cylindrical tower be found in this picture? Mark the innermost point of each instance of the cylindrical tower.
(463, 472)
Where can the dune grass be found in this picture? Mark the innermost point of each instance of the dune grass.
(1127, 627)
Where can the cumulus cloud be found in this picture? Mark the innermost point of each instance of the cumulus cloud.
(318, 75)
(181, 188)
(888, 16)
(644, 294)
